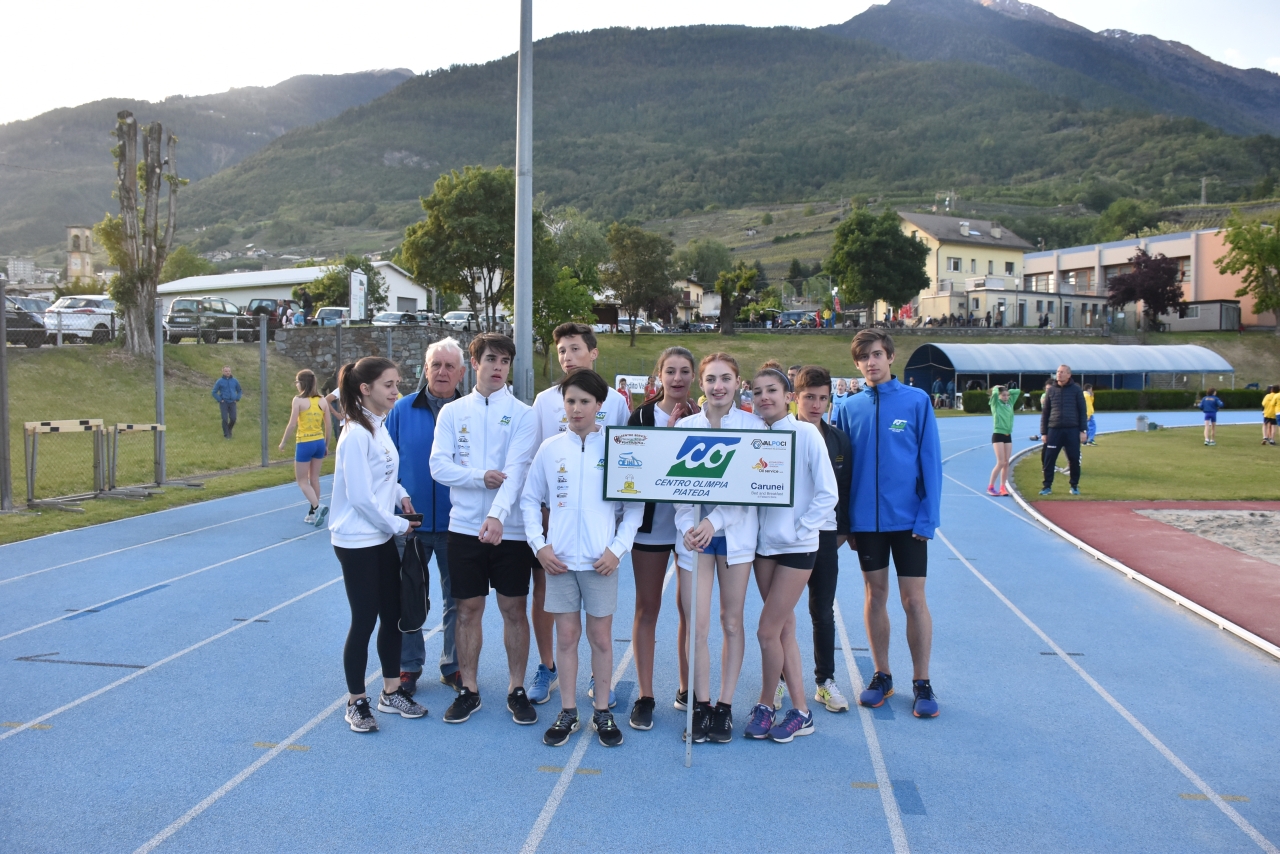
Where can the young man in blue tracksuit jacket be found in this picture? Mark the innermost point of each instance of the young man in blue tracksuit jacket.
(893, 508)
(411, 424)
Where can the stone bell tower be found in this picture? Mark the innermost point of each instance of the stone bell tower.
(79, 253)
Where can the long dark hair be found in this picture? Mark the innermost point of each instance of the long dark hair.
(351, 377)
(669, 353)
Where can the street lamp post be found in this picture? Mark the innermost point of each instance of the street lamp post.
(522, 375)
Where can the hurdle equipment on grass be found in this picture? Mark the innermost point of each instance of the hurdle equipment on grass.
(113, 445)
(31, 431)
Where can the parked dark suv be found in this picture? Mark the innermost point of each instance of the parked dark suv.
(210, 318)
(21, 326)
(273, 309)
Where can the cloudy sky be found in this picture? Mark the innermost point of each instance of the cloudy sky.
(64, 54)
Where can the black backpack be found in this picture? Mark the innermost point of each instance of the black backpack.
(415, 586)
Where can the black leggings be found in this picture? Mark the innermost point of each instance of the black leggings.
(372, 579)
(822, 597)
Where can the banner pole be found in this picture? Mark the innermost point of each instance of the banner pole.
(690, 639)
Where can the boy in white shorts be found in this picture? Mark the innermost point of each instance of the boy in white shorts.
(586, 539)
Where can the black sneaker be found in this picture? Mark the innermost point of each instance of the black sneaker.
(606, 728)
(566, 725)
(642, 713)
(359, 717)
(453, 680)
(409, 681)
(720, 726)
(682, 700)
(462, 707)
(702, 713)
(522, 711)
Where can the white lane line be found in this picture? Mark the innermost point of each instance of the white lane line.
(148, 543)
(154, 842)
(539, 829)
(965, 451)
(1017, 516)
(1164, 751)
(158, 583)
(897, 832)
(150, 667)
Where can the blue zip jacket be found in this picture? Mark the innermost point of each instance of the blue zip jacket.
(897, 460)
(412, 429)
(1210, 404)
(226, 388)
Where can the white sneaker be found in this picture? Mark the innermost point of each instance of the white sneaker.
(310, 518)
(828, 694)
(778, 695)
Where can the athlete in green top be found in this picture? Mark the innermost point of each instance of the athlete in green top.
(1002, 402)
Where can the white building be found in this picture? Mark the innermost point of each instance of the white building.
(403, 294)
(22, 270)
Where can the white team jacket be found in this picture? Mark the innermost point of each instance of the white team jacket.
(366, 488)
(567, 475)
(788, 530)
(550, 417)
(476, 434)
(735, 522)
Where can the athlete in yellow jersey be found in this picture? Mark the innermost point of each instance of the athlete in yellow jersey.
(1270, 405)
(309, 413)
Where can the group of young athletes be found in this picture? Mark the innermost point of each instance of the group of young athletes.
(508, 498)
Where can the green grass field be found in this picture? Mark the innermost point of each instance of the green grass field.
(1166, 465)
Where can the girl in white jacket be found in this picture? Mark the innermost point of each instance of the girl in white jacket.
(786, 549)
(362, 527)
(724, 540)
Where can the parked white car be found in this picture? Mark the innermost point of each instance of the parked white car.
(463, 321)
(87, 318)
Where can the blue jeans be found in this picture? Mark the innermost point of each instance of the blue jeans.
(413, 649)
(1092, 428)
(228, 410)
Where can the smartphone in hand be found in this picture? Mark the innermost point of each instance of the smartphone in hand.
(412, 517)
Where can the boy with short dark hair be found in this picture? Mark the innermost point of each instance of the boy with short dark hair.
(586, 538)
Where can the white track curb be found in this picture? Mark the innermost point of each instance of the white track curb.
(1218, 620)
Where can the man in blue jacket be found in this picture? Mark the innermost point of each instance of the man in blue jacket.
(411, 424)
(227, 392)
(893, 509)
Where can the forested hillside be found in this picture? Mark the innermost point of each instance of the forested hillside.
(653, 122)
(57, 168)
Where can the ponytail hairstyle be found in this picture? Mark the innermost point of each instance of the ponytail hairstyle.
(306, 381)
(669, 353)
(718, 357)
(351, 377)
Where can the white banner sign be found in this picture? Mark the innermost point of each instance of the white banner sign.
(635, 382)
(359, 292)
(674, 465)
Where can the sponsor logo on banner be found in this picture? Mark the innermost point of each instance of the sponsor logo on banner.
(629, 487)
(769, 466)
(627, 460)
(704, 457)
(629, 438)
(769, 444)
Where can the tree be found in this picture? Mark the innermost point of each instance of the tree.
(872, 260)
(1125, 218)
(566, 299)
(134, 240)
(334, 286)
(796, 275)
(579, 245)
(466, 244)
(182, 263)
(734, 288)
(767, 219)
(639, 271)
(702, 260)
(1254, 254)
(762, 277)
(1153, 282)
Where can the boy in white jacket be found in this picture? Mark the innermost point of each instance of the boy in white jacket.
(586, 539)
(481, 451)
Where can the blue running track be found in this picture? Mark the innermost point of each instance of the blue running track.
(173, 682)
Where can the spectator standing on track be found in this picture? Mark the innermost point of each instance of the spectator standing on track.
(412, 427)
(576, 347)
(657, 537)
(366, 493)
(1002, 403)
(1209, 405)
(1091, 428)
(481, 451)
(893, 510)
(1270, 404)
(1063, 416)
(585, 539)
(950, 400)
(310, 415)
(228, 393)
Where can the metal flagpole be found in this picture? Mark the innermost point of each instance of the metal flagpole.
(690, 640)
(522, 375)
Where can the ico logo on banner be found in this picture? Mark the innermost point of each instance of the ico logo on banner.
(690, 465)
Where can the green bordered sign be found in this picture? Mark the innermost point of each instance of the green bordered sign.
(674, 465)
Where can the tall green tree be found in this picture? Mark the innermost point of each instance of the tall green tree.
(334, 286)
(182, 263)
(796, 274)
(1153, 281)
(579, 245)
(639, 269)
(1254, 255)
(872, 260)
(734, 287)
(564, 300)
(702, 260)
(1125, 218)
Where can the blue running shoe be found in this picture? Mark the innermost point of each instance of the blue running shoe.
(795, 723)
(544, 682)
(878, 691)
(926, 705)
(1046, 491)
(591, 692)
(761, 722)
(1075, 490)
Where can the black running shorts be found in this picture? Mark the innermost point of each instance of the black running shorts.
(1002, 438)
(910, 556)
(794, 560)
(475, 567)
